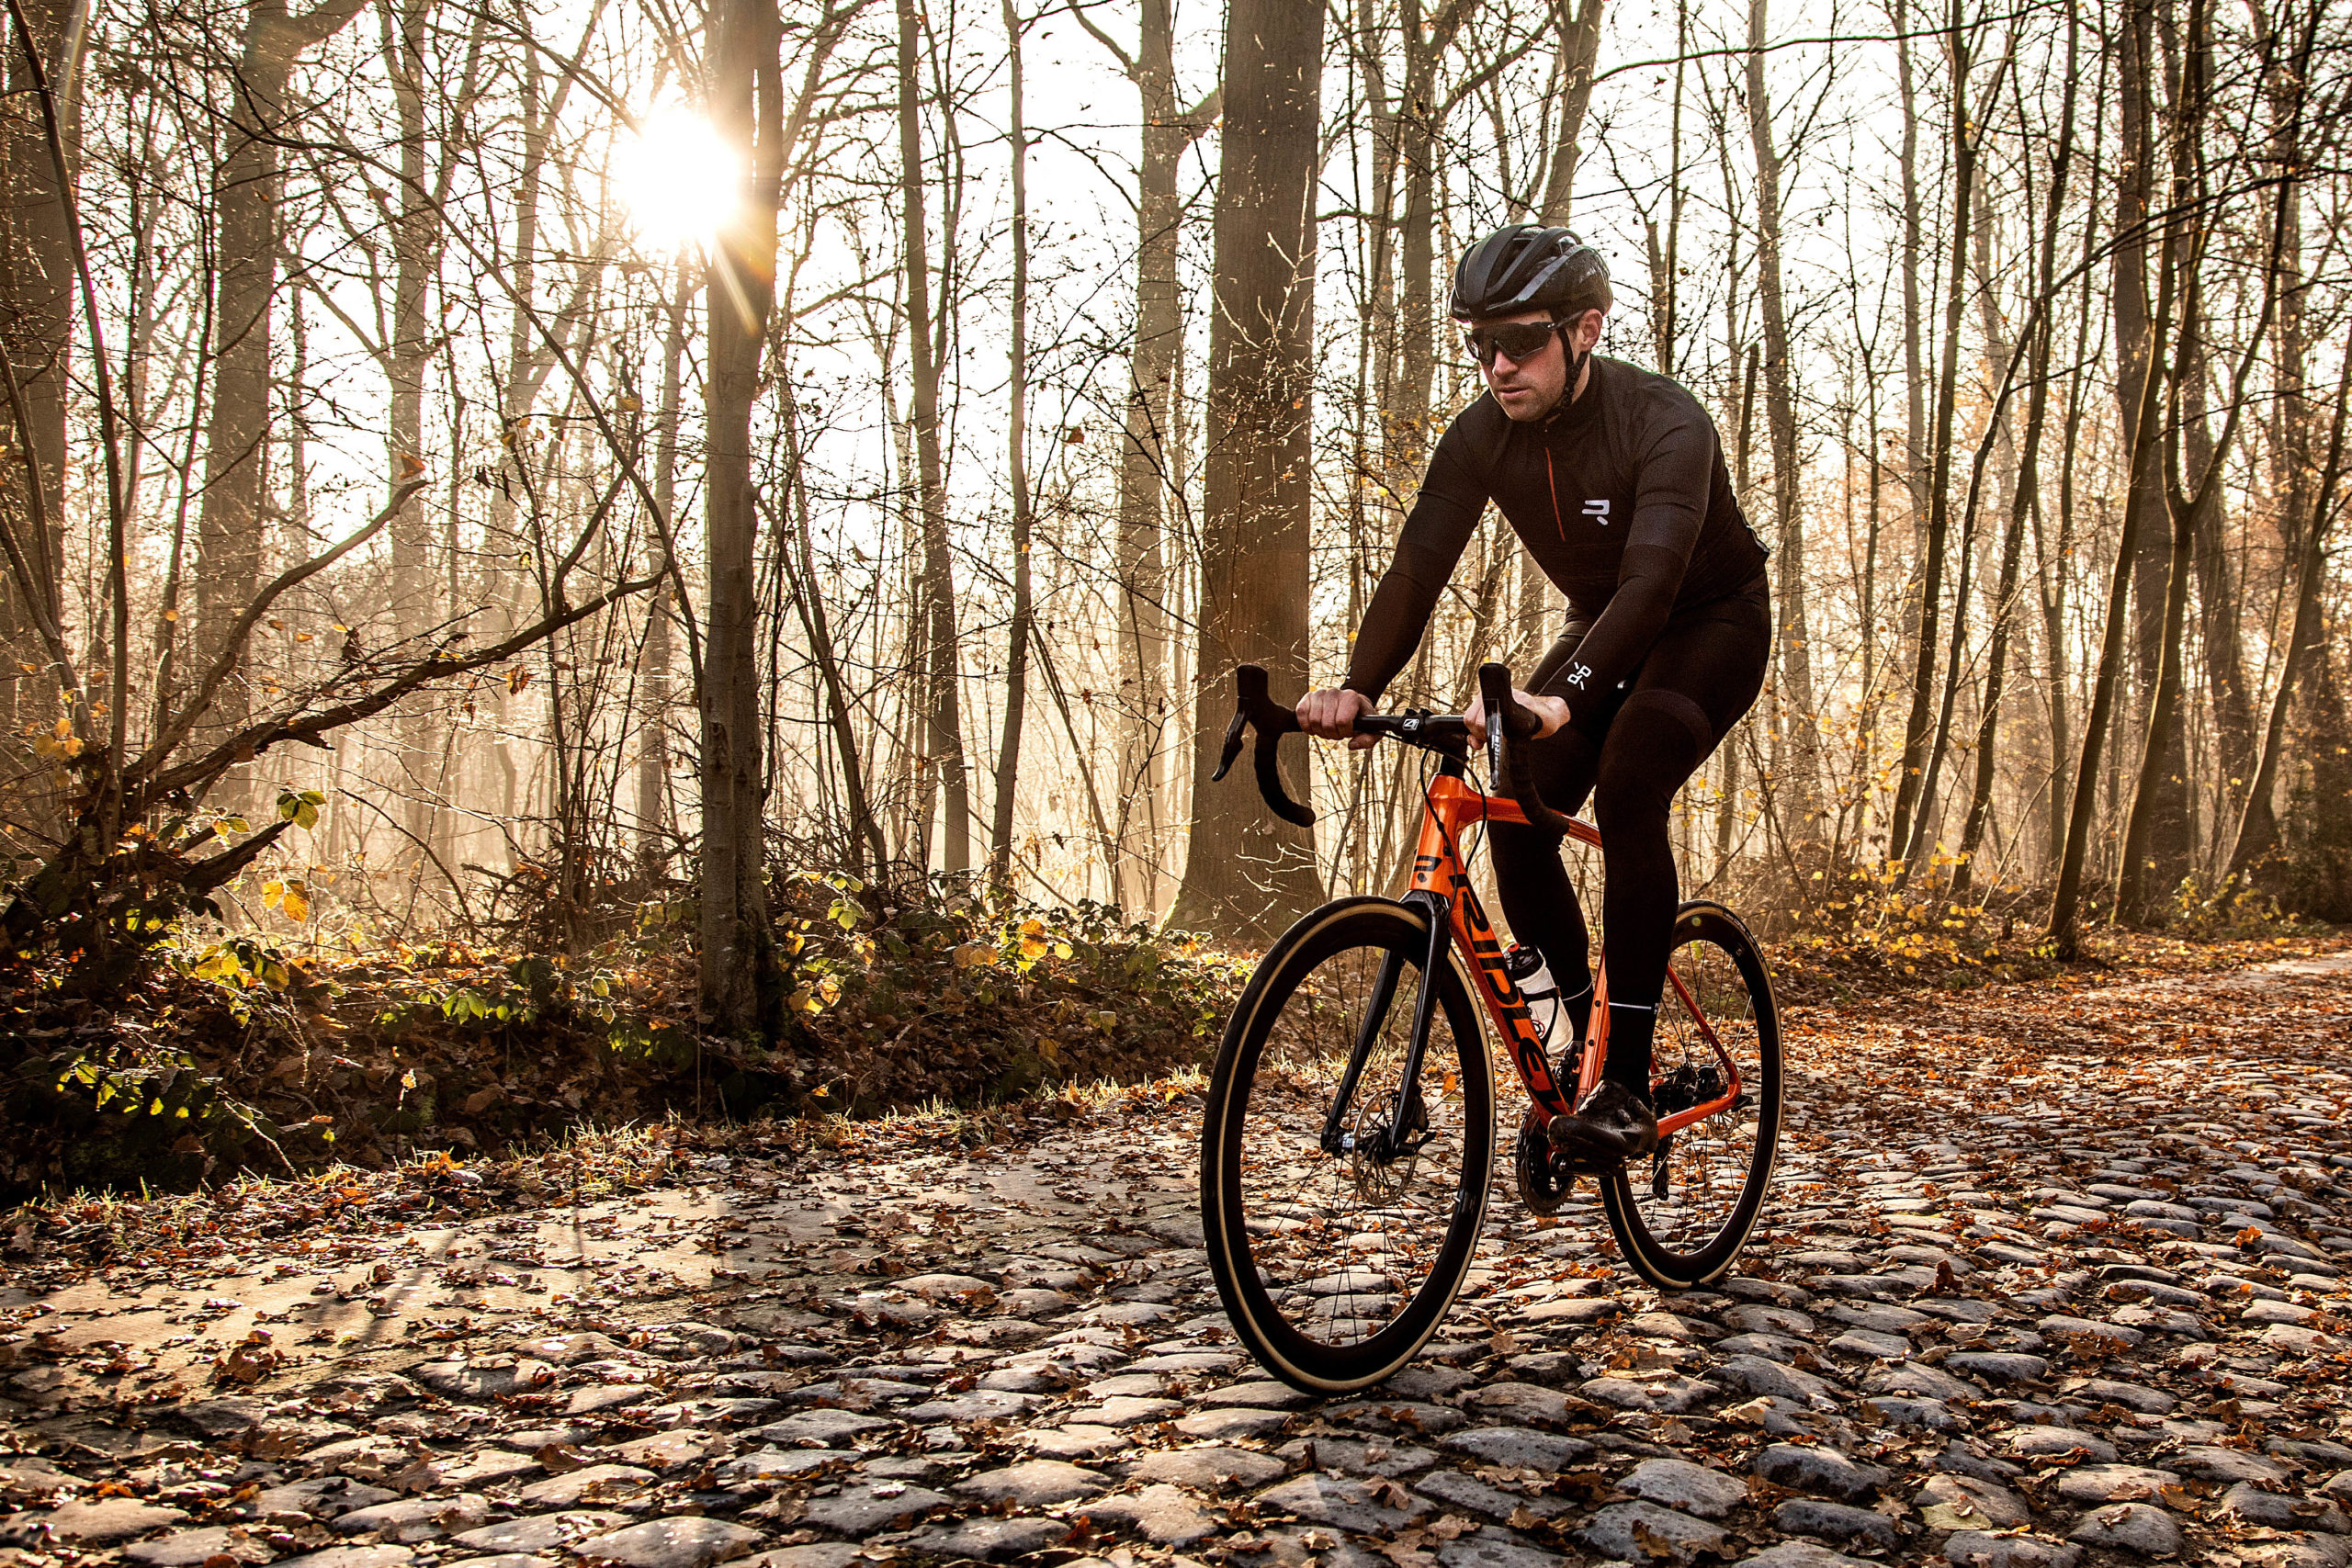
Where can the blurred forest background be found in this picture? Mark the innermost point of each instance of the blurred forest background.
(726, 528)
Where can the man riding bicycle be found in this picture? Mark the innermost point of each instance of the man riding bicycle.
(1613, 479)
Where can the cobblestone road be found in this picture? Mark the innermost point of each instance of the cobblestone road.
(2050, 1275)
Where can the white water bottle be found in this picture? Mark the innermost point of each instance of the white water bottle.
(1537, 989)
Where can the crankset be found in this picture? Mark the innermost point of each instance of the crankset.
(1543, 1189)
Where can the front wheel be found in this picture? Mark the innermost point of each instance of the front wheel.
(1680, 1218)
(1341, 1191)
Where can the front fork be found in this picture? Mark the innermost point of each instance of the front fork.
(1406, 1111)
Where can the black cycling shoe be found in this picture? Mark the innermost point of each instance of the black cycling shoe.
(1612, 1125)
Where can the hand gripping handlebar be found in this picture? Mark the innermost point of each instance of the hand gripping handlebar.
(1508, 724)
(1253, 706)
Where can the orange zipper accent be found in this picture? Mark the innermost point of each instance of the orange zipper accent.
(1552, 480)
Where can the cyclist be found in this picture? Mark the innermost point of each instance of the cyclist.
(1613, 479)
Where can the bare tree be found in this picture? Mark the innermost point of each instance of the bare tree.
(1800, 718)
(1023, 625)
(746, 96)
(249, 227)
(1149, 478)
(1243, 872)
(2025, 493)
(926, 335)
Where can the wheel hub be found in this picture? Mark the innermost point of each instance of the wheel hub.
(1380, 1162)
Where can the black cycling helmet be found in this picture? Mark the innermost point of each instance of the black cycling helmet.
(1529, 267)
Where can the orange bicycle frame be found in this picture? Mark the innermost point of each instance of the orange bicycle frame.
(1451, 805)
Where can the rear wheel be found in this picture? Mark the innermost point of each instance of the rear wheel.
(1338, 1242)
(1681, 1217)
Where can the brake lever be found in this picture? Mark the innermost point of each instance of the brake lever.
(1507, 762)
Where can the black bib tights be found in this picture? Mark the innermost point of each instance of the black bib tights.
(1630, 756)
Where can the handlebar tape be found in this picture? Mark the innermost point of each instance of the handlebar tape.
(1254, 707)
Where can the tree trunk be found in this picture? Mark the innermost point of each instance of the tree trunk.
(2054, 567)
(2141, 877)
(1580, 46)
(248, 242)
(2138, 65)
(653, 728)
(2194, 511)
(944, 719)
(2257, 825)
(1248, 873)
(35, 326)
(1727, 803)
(408, 351)
(1795, 688)
(1666, 259)
(866, 852)
(1147, 479)
(1420, 127)
(1909, 833)
(738, 991)
(2292, 467)
(2065, 904)
(1917, 462)
(2221, 609)
(2155, 853)
(2024, 494)
(1016, 662)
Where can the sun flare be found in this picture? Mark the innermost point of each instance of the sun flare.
(678, 177)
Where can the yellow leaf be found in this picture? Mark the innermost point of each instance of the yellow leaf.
(296, 903)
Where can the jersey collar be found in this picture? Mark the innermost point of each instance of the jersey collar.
(1579, 414)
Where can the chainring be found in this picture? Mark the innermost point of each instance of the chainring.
(1539, 1188)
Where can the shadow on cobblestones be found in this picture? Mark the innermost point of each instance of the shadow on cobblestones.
(2053, 1274)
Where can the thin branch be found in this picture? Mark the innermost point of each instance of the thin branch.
(232, 646)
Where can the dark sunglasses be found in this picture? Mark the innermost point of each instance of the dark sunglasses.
(1517, 341)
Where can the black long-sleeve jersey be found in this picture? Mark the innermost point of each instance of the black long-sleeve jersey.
(1622, 497)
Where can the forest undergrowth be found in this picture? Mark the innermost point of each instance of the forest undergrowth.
(240, 1054)
(234, 1057)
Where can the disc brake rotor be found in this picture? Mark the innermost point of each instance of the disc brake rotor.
(1379, 1172)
